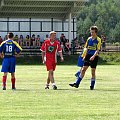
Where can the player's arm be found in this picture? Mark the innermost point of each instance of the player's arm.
(85, 49)
(43, 57)
(1, 50)
(84, 53)
(61, 56)
(60, 52)
(18, 49)
(43, 52)
(98, 49)
(1, 55)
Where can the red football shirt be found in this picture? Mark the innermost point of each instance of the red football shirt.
(51, 49)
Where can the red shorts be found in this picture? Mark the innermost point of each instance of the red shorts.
(50, 66)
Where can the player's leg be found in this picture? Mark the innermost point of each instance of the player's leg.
(4, 78)
(48, 82)
(80, 77)
(50, 68)
(5, 70)
(84, 68)
(77, 73)
(13, 80)
(53, 84)
(51, 76)
(93, 78)
(12, 71)
(79, 64)
(93, 70)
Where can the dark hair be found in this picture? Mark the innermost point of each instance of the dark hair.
(10, 35)
(94, 28)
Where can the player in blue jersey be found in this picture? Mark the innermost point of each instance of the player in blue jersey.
(9, 49)
(92, 45)
(80, 61)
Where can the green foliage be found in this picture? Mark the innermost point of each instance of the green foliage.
(109, 58)
(105, 58)
(103, 13)
(117, 44)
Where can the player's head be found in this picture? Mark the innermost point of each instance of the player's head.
(93, 30)
(52, 35)
(10, 35)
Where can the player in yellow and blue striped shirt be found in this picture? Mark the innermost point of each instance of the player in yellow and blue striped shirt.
(92, 45)
(8, 51)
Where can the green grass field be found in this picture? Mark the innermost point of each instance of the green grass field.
(32, 102)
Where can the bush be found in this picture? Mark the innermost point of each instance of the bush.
(105, 58)
(117, 44)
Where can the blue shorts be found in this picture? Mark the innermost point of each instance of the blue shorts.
(8, 65)
(80, 62)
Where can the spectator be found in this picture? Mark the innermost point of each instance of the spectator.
(1, 40)
(103, 40)
(5, 38)
(62, 47)
(33, 41)
(41, 40)
(63, 39)
(82, 41)
(77, 45)
(38, 40)
(47, 37)
(67, 47)
(16, 38)
(21, 41)
(27, 40)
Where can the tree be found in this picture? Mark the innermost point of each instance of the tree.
(103, 13)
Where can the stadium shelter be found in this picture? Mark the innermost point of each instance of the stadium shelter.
(39, 17)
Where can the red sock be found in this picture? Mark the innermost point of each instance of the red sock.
(4, 81)
(13, 82)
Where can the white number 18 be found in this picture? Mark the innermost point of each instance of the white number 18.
(8, 48)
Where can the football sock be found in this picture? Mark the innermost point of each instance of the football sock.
(92, 82)
(77, 74)
(4, 81)
(78, 80)
(47, 84)
(53, 84)
(13, 82)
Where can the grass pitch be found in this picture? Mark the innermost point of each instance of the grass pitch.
(32, 102)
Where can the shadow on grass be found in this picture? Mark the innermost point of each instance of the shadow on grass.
(23, 90)
(110, 90)
(71, 89)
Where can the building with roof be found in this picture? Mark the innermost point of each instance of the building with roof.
(39, 16)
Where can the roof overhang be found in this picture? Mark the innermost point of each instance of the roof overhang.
(40, 8)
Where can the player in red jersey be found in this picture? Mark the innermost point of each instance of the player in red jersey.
(49, 50)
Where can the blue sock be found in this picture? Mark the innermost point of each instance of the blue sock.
(78, 80)
(77, 74)
(92, 82)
